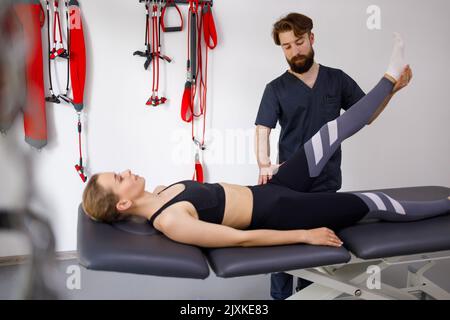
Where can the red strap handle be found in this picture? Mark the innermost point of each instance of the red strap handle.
(186, 103)
(171, 3)
(198, 174)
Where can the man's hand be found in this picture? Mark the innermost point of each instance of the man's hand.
(322, 237)
(404, 80)
(266, 172)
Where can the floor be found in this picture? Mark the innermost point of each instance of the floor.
(75, 282)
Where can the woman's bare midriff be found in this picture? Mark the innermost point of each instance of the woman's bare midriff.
(238, 206)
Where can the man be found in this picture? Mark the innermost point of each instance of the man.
(302, 100)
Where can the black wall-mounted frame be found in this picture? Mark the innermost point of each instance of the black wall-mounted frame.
(186, 1)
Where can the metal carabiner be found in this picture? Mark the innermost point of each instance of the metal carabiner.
(201, 146)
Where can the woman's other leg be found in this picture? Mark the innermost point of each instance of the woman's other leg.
(386, 208)
(340, 210)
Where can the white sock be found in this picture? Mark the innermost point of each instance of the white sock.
(397, 63)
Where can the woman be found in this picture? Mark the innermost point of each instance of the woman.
(277, 213)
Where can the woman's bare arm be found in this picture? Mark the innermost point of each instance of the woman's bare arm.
(180, 226)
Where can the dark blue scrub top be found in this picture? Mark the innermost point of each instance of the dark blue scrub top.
(302, 111)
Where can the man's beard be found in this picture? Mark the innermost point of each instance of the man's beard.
(302, 63)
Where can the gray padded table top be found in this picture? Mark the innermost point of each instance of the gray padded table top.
(136, 248)
(236, 262)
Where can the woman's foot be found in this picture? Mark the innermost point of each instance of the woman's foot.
(397, 63)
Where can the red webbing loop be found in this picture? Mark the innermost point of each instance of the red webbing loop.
(198, 174)
(209, 27)
(186, 106)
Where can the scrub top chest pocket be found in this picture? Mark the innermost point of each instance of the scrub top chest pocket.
(331, 106)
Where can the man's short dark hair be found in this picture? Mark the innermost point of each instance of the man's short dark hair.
(296, 22)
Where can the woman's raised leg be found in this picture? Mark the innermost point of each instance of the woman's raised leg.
(306, 164)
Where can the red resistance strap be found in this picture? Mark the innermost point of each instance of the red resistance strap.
(79, 167)
(186, 107)
(155, 99)
(197, 79)
(58, 49)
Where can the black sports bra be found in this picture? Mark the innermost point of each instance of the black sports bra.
(207, 198)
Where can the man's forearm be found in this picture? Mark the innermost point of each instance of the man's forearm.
(262, 146)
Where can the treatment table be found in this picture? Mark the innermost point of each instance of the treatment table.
(351, 271)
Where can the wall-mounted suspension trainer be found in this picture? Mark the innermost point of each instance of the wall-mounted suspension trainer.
(152, 53)
(75, 54)
(202, 36)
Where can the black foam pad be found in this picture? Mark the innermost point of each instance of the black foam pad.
(136, 248)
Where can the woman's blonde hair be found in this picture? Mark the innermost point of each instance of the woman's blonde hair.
(99, 203)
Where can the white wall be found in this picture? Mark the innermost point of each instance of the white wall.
(407, 146)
